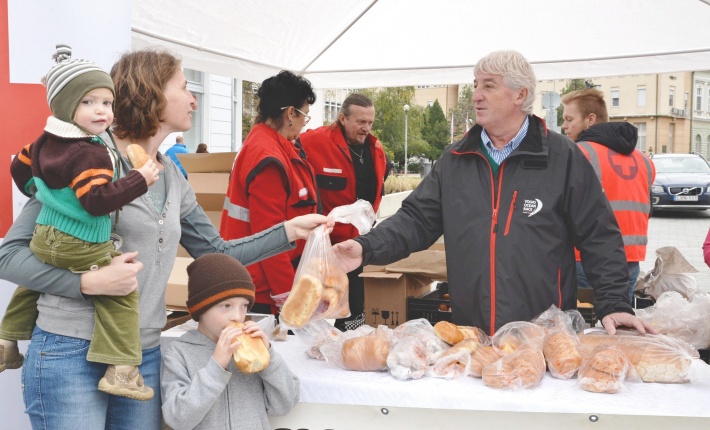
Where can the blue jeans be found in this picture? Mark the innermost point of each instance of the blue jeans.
(60, 388)
(634, 270)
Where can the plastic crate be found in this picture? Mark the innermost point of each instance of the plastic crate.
(590, 317)
(705, 355)
(428, 305)
(643, 302)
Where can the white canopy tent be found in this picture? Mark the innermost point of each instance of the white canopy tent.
(368, 43)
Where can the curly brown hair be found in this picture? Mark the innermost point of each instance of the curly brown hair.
(140, 78)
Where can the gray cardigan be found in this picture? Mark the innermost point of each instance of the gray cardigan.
(64, 310)
(198, 393)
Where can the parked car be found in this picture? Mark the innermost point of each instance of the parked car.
(682, 182)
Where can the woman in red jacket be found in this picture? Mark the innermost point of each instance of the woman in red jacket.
(271, 181)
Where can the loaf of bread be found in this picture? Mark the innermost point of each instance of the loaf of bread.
(656, 358)
(251, 355)
(302, 301)
(562, 354)
(136, 155)
(365, 353)
(523, 368)
(605, 371)
(455, 361)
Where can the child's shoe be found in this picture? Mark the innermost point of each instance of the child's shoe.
(10, 357)
(125, 381)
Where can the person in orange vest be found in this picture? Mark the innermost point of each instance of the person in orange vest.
(350, 164)
(625, 172)
(272, 182)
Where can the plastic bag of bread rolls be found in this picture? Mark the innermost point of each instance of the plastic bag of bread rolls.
(655, 358)
(320, 287)
(517, 334)
(453, 334)
(605, 371)
(523, 368)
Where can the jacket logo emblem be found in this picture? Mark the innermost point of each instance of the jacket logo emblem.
(303, 192)
(531, 207)
(332, 170)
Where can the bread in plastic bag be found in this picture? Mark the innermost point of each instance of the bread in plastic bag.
(516, 334)
(320, 286)
(656, 358)
(605, 371)
(522, 368)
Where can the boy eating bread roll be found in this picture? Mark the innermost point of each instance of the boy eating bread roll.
(202, 385)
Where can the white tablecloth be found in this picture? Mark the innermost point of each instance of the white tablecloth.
(323, 384)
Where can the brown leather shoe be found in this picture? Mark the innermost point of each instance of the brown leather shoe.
(10, 357)
(125, 381)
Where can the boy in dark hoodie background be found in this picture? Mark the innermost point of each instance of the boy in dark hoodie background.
(201, 386)
(626, 174)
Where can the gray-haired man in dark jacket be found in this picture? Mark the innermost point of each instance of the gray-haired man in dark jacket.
(512, 200)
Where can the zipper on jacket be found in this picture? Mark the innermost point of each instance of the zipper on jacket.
(559, 288)
(494, 231)
(510, 212)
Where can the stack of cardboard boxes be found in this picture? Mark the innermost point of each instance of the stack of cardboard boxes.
(208, 174)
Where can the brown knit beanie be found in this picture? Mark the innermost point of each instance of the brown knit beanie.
(213, 278)
(70, 80)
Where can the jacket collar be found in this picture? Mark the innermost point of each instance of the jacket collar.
(534, 143)
(63, 129)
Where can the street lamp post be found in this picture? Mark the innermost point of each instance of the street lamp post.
(406, 115)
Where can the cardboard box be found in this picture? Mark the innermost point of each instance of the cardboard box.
(207, 162)
(208, 175)
(387, 288)
(176, 291)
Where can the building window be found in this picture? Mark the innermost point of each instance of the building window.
(614, 97)
(685, 106)
(641, 97)
(698, 142)
(671, 135)
(641, 143)
(699, 99)
(671, 96)
(196, 85)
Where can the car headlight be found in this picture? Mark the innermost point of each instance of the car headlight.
(657, 189)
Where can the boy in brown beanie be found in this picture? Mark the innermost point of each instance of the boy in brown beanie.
(70, 169)
(200, 384)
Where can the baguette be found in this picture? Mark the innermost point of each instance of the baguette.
(251, 355)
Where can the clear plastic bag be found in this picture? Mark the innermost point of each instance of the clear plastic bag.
(685, 319)
(320, 287)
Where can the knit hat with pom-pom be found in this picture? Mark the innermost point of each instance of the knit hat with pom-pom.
(70, 80)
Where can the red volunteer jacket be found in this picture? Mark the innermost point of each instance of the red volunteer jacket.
(270, 183)
(330, 157)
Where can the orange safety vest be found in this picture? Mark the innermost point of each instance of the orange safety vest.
(264, 146)
(626, 180)
(328, 153)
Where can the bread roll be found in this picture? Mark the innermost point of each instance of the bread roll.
(481, 357)
(516, 334)
(302, 302)
(605, 371)
(562, 355)
(251, 355)
(136, 155)
(448, 332)
(453, 334)
(365, 353)
(524, 368)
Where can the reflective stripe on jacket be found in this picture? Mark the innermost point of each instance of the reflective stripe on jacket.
(626, 180)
